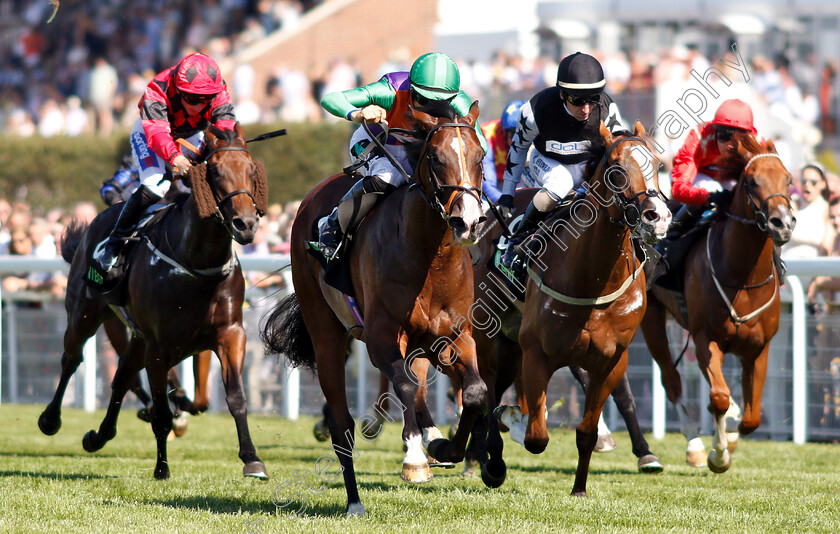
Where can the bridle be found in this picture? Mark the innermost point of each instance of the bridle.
(439, 190)
(630, 207)
(760, 217)
(206, 161)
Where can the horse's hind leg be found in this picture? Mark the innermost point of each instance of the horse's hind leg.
(606, 442)
(83, 321)
(130, 363)
(656, 338)
(231, 352)
(587, 430)
(623, 397)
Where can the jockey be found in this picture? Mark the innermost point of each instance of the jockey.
(694, 178)
(179, 103)
(563, 123)
(499, 134)
(122, 184)
(433, 77)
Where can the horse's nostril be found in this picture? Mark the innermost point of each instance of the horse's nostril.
(243, 225)
(650, 216)
(776, 222)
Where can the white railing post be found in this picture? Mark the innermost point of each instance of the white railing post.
(292, 393)
(188, 377)
(13, 353)
(89, 358)
(1, 345)
(359, 350)
(658, 402)
(800, 361)
(441, 388)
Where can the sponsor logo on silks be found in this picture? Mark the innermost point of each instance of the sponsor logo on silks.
(94, 276)
(141, 148)
(575, 147)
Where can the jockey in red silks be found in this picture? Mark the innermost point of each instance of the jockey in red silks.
(694, 178)
(179, 103)
(499, 135)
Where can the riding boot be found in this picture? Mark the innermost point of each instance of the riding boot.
(351, 209)
(109, 250)
(677, 243)
(515, 257)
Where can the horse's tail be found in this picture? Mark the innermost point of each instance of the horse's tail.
(285, 333)
(71, 238)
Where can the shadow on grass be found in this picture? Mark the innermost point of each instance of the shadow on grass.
(223, 505)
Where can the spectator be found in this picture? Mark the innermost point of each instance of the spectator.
(103, 91)
(813, 229)
(827, 284)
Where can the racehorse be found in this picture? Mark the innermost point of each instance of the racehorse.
(585, 296)
(184, 293)
(731, 296)
(412, 281)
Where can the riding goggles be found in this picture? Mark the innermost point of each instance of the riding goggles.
(581, 101)
(194, 100)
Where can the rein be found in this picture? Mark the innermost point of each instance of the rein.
(629, 206)
(218, 214)
(760, 217)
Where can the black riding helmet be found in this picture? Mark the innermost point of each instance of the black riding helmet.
(581, 75)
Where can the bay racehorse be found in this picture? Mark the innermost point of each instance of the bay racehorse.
(412, 281)
(585, 295)
(731, 296)
(184, 293)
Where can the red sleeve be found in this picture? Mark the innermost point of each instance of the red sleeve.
(154, 113)
(685, 169)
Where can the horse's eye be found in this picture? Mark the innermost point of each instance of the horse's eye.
(661, 167)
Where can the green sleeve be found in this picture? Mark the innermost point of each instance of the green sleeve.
(462, 104)
(341, 103)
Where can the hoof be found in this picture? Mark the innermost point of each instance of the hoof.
(144, 415)
(255, 469)
(436, 463)
(695, 454)
(88, 442)
(416, 473)
(605, 443)
(719, 463)
(321, 431)
(471, 468)
(649, 463)
(161, 473)
(439, 448)
(732, 439)
(179, 424)
(494, 473)
(47, 426)
(581, 493)
(356, 509)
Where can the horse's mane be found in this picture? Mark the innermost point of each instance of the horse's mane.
(435, 108)
(596, 151)
(731, 166)
(228, 135)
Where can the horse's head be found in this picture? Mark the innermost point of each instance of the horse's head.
(229, 185)
(631, 175)
(449, 168)
(762, 193)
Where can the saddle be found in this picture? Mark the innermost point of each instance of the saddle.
(674, 251)
(110, 286)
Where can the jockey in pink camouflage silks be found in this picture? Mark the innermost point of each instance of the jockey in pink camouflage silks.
(179, 103)
(433, 77)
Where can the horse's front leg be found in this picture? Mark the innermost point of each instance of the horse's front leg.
(710, 359)
(600, 387)
(157, 367)
(231, 352)
(462, 358)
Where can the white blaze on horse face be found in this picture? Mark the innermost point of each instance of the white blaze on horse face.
(471, 211)
(646, 164)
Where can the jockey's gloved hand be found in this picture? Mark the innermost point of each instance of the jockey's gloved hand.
(721, 198)
(505, 206)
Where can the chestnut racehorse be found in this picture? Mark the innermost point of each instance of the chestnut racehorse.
(585, 295)
(412, 281)
(184, 293)
(731, 296)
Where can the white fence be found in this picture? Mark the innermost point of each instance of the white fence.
(787, 396)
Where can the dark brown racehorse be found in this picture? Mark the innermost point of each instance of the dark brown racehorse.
(412, 279)
(184, 293)
(585, 294)
(731, 295)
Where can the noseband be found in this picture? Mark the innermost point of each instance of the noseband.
(232, 194)
(760, 217)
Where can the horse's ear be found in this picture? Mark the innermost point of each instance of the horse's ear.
(606, 135)
(197, 180)
(425, 119)
(639, 129)
(472, 117)
(771, 146)
(260, 188)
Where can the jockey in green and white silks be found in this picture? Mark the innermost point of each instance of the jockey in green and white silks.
(433, 77)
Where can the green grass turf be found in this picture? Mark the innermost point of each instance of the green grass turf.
(49, 484)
